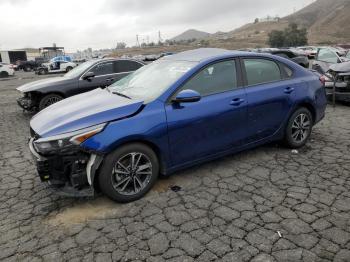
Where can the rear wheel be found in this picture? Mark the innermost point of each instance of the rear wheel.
(299, 128)
(129, 172)
(27, 68)
(49, 100)
(4, 74)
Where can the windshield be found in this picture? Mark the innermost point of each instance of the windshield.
(77, 71)
(150, 81)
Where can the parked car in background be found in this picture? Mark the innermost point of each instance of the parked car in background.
(310, 51)
(327, 56)
(177, 112)
(338, 80)
(288, 54)
(6, 70)
(85, 77)
(60, 58)
(55, 65)
(28, 66)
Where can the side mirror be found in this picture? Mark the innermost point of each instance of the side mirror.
(88, 75)
(187, 96)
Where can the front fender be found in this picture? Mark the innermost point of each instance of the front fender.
(148, 126)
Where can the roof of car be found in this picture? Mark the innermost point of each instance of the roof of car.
(201, 54)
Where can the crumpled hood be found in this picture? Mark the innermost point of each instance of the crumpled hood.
(32, 86)
(81, 111)
(341, 67)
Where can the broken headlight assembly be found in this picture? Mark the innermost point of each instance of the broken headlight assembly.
(65, 141)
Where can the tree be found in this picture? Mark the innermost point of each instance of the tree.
(276, 38)
(121, 45)
(291, 36)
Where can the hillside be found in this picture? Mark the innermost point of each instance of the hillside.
(191, 34)
(327, 21)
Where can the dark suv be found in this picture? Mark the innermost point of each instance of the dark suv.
(85, 77)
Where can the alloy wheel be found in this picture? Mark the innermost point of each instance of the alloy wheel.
(52, 100)
(131, 173)
(301, 128)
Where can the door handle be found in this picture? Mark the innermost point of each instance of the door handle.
(110, 79)
(236, 102)
(289, 90)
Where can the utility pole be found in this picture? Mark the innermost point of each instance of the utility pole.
(159, 37)
(137, 41)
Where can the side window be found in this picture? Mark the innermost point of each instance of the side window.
(327, 55)
(122, 66)
(287, 72)
(261, 71)
(103, 69)
(216, 78)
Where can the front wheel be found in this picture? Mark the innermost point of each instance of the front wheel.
(299, 128)
(129, 172)
(48, 100)
(69, 68)
(41, 72)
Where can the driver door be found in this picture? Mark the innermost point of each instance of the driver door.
(103, 71)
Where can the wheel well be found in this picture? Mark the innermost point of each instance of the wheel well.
(311, 108)
(51, 93)
(155, 149)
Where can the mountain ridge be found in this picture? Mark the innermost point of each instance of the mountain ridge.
(327, 22)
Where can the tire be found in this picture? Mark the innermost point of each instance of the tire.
(299, 128)
(4, 74)
(41, 72)
(27, 69)
(111, 183)
(69, 68)
(49, 100)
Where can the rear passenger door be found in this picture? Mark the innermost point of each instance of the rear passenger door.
(124, 67)
(270, 92)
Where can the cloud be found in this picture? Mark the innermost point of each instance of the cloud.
(98, 24)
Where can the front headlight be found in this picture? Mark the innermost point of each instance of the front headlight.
(59, 142)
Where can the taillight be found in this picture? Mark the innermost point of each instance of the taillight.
(11, 66)
(323, 79)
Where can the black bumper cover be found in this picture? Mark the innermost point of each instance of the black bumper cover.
(65, 174)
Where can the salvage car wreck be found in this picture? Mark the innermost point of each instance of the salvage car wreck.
(177, 112)
(338, 82)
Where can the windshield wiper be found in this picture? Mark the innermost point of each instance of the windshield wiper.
(120, 94)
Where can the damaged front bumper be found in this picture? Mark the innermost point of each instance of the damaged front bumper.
(27, 102)
(341, 90)
(70, 173)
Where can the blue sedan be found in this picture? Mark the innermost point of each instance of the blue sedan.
(179, 111)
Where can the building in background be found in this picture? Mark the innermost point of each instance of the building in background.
(11, 56)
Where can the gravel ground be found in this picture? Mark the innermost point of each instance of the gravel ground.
(267, 204)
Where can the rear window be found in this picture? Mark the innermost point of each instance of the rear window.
(261, 71)
(126, 66)
(327, 55)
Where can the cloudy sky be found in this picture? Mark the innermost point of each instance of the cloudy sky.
(79, 24)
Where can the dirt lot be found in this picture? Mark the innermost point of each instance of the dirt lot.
(268, 204)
